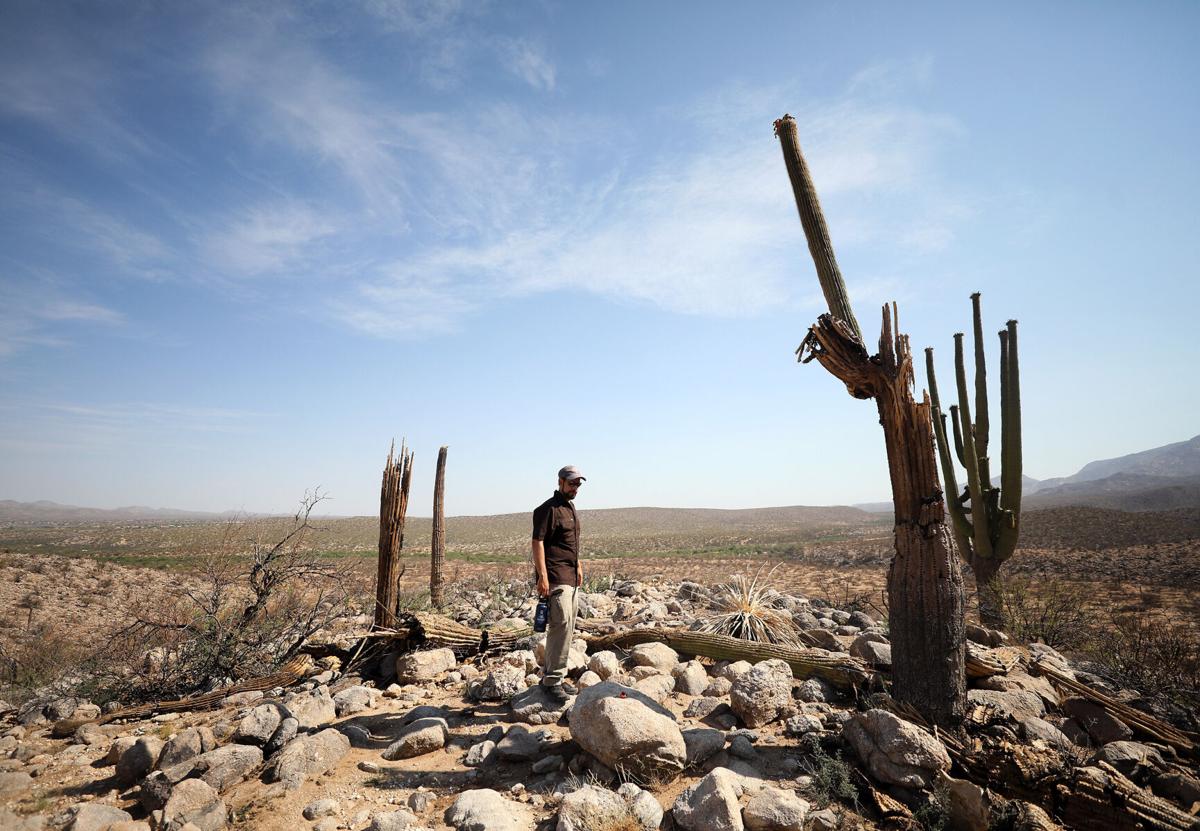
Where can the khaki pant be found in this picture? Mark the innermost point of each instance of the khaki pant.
(560, 631)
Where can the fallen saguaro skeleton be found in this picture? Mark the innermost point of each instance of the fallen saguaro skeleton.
(841, 670)
(429, 629)
(288, 674)
(1183, 742)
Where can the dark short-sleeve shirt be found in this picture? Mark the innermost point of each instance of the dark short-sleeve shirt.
(556, 524)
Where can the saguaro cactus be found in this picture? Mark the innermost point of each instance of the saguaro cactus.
(437, 547)
(986, 519)
(925, 589)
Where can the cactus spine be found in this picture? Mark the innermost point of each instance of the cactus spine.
(985, 518)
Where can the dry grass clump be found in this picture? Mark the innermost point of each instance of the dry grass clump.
(1050, 611)
(747, 608)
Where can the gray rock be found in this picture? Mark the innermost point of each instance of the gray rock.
(874, 649)
(690, 678)
(763, 694)
(628, 731)
(590, 808)
(656, 687)
(258, 725)
(427, 665)
(520, 744)
(354, 700)
(701, 707)
(501, 684)
(825, 820)
(1178, 786)
(321, 808)
(1015, 704)
(1100, 726)
(967, 803)
(184, 745)
(774, 809)
(138, 760)
(735, 670)
(226, 766)
(657, 655)
(479, 753)
(89, 734)
(392, 821)
(193, 802)
(895, 751)
(741, 748)
(813, 691)
(802, 724)
(284, 733)
(485, 810)
(604, 664)
(702, 744)
(535, 706)
(306, 757)
(712, 803)
(11, 821)
(311, 709)
(1134, 759)
(718, 687)
(825, 639)
(1032, 729)
(422, 736)
(421, 801)
(862, 620)
(14, 783)
(546, 764)
(92, 816)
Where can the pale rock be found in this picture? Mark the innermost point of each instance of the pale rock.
(657, 687)
(701, 707)
(813, 691)
(627, 730)
(735, 670)
(89, 734)
(284, 733)
(184, 745)
(825, 820)
(117, 749)
(604, 664)
(1134, 759)
(321, 808)
(307, 757)
(588, 679)
(14, 783)
(895, 751)
(774, 809)
(1014, 704)
(354, 700)
(718, 687)
(427, 665)
(535, 706)
(712, 803)
(138, 760)
(657, 655)
(763, 694)
(968, 805)
(501, 684)
(486, 810)
(193, 802)
(690, 678)
(589, 808)
(519, 744)
(1033, 728)
(874, 649)
(478, 753)
(418, 738)
(393, 821)
(92, 816)
(311, 709)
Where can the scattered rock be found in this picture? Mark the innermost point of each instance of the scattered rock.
(1100, 726)
(1032, 729)
(501, 684)
(138, 760)
(656, 687)
(485, 810)
(735, 670)
(718, 687)
(690, 678)
(826, 820)
(1134, 759)
(392, 821)
(14, 783)
(763, 694)
(874, 649)
(426, 665)
(657, 655)
(354, 700)
(321, 808)
(774, 809)
(1015, 704)
(627, 730)
(712, 803)
(895, 751)
(92, 816)
(702, 743)
(478, 753)
(535, 706)
(308, 756)
(287, 730)
(418, 738)
(193, 802)
(968, 805)
(184, 745)
(520, 745)
(590, 808)
(311, 709)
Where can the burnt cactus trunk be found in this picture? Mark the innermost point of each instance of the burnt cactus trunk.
(925, 589)
(437, 548)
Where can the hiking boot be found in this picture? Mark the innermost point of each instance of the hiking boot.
(561, 693)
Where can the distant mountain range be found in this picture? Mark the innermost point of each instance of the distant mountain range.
(1160, 479)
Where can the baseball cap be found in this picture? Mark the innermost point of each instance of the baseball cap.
(570, 473)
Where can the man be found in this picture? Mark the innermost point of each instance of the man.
(558, 575)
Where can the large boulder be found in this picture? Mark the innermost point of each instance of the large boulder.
(763, 694)
(138, 760)
(536, 706)
(186, 744)
(501, 684)
(196, 803)
(690, 678)
(1015, 704)
(91, 816)
(657, 655)
(712, 803)
(895, 751)
(260, 723)
(628, 731)
(427, 665)
(483, 809)
(308, 756)
(226, 766)
(1101, 727)
(1134, 759)
(311, 709)
(354, 700)
(774, 809)
(422, 736)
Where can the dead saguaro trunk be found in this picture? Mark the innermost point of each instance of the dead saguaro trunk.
(437, 547)
(393, 507)
(925, 588)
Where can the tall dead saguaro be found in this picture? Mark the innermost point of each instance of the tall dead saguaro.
(393, 507)
(925, 586)
(437, 548)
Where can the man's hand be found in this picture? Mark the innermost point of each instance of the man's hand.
(578, 575)
(543, 586)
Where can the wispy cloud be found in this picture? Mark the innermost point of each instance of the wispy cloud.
(528, 61)
(36, 313)
(267, 238)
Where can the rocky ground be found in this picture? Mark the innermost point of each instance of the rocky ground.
(654, 739)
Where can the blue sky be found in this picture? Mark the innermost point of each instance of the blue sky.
(241, 248)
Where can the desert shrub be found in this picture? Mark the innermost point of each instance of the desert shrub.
(747, 608)
(934, 813)
(1050, 611)
(831, 775)
(1151, 653)
(258, 604)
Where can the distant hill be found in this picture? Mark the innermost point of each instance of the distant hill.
(1123, 492)
(46, 511)
(1180, 460)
